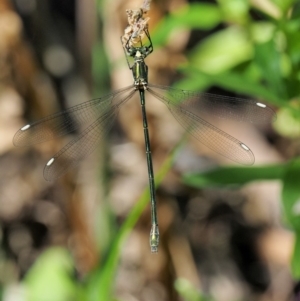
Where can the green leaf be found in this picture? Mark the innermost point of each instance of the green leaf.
(50, 277)
(195, 16)
(284, 5)
(291, 194)
(100, 69)
(235, 11)
(296, 11)
(194, 81)
(262, 31)
(293, 43)
(288, 121)
(230, 81)
(296, 258)
(237, 176)
(188, 292)
(223, 50)
(268, 59)
(239, 83)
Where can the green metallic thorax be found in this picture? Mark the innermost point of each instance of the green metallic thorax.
(139, 67)
(140, 72)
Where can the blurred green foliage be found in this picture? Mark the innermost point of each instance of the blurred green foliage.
(51, 276)
(234, 176)
(257, 53)
(188, 292)
(257, 57)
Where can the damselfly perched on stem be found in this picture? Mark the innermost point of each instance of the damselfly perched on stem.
(97, 117)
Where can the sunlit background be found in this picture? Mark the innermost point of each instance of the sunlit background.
(228, 232)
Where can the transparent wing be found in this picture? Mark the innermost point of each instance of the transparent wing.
(80, 147)
(203, 104)
(187, 106)
(70, 120)
(84, 144)
(96, 117)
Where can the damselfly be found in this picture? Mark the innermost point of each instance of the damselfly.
(97, 117)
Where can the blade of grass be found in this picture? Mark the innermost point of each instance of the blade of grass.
(230, 80)
(291, 194)
(234, 175)
(104, 281)
(189, 292)
(295, 262)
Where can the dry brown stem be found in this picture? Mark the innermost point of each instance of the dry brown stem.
(137, 21)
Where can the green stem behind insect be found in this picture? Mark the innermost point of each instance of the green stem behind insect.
(104, 281)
